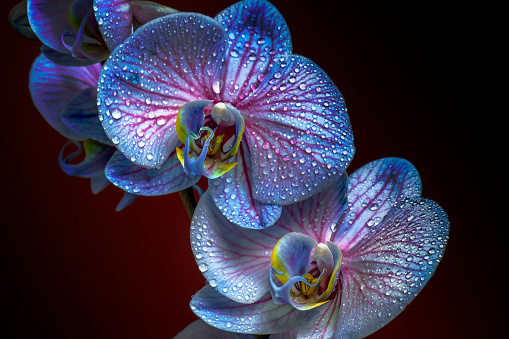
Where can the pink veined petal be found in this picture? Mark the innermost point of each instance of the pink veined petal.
(372, 191)
(298, 131)
(386, 269)
(256, 33)
(262, 317)
(241, 255)
(169, 178)
(232, 193)
(321, 322)
(53, 86)
(160, 67)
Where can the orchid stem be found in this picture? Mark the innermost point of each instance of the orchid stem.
(187, 196)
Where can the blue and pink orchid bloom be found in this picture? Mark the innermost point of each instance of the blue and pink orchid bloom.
(66, 97)
(187, 96)
(84, 32)
(337, 265)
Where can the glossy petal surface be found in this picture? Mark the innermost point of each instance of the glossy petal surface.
(372, 191)
(298, 132)
(261, 317)
(169, 178)
(389, 266)
(53, 86)
(49, 20)
(80, 114)
(115, 20)
(257, 33)
(234, 259)
(233, 196)
(160, 67)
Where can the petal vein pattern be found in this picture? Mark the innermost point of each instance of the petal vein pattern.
(159, 68)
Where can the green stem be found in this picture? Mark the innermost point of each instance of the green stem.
(187, 196)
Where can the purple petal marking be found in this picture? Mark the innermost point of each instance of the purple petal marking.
(115, 20)
(199, 329)
(80, 115)
(241, 255)
(298, 131)
(388, 267)
(263, 317)
(232, 193)
(49, 19)
(372, 191)
(321, 321)
(169, 178)
(257, 33)
(163, 65)
(52, 87)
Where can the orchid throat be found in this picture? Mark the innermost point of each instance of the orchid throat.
(210, 137)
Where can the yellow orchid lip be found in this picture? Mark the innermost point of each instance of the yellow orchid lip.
(207, 153)
(303, 273)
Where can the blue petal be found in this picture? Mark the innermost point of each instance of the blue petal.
(160, 67)
(384, 271)
(291, 255)
(298, 132)
(80, 114)
(264, 316)
(257, 33)
(372, 191)
(115, 20)
(169, 178)
(232, 194)
(127, 199)
(53, 86)
(96, 157)
(64, 59)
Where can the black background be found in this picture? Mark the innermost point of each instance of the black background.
(412, 78)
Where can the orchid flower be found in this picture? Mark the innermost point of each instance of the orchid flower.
(334, 265)
(73, 36)
(187, 96)
(66, 98)
(198, 329)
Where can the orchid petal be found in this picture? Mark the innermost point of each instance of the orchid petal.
(264, 316)
(233, 196)
(127, 199)
(169, 178)
(389, 266)
(298, 131)
(321, 322)
(146, 11)
(115, 20)
(199, 329)
(19, 20)
(241, 255)
(52, 87)
(190, 118)
(64, 59)
(80, 115)
(292, 255)
(98, 183)
(372, 191)
(146, 81)
(96, 157)
(49, 20)
(257, 33)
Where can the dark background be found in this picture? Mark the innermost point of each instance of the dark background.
(74, 268)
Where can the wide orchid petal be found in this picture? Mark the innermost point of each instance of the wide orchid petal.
(49, 20)
(298, 132)
(53, 86)
(389, 266)
(372, 191)
(263, 316)
(199, 329)
(233, 195)
(115, 20)
(96, 157)
(80, 114)
(169, 178)
(321, 322)
(257, 33)
(241, 255)
(147, 79)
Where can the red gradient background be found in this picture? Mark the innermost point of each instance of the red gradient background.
(75, 268)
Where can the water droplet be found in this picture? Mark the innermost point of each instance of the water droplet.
(203, 267)
(116, 114)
